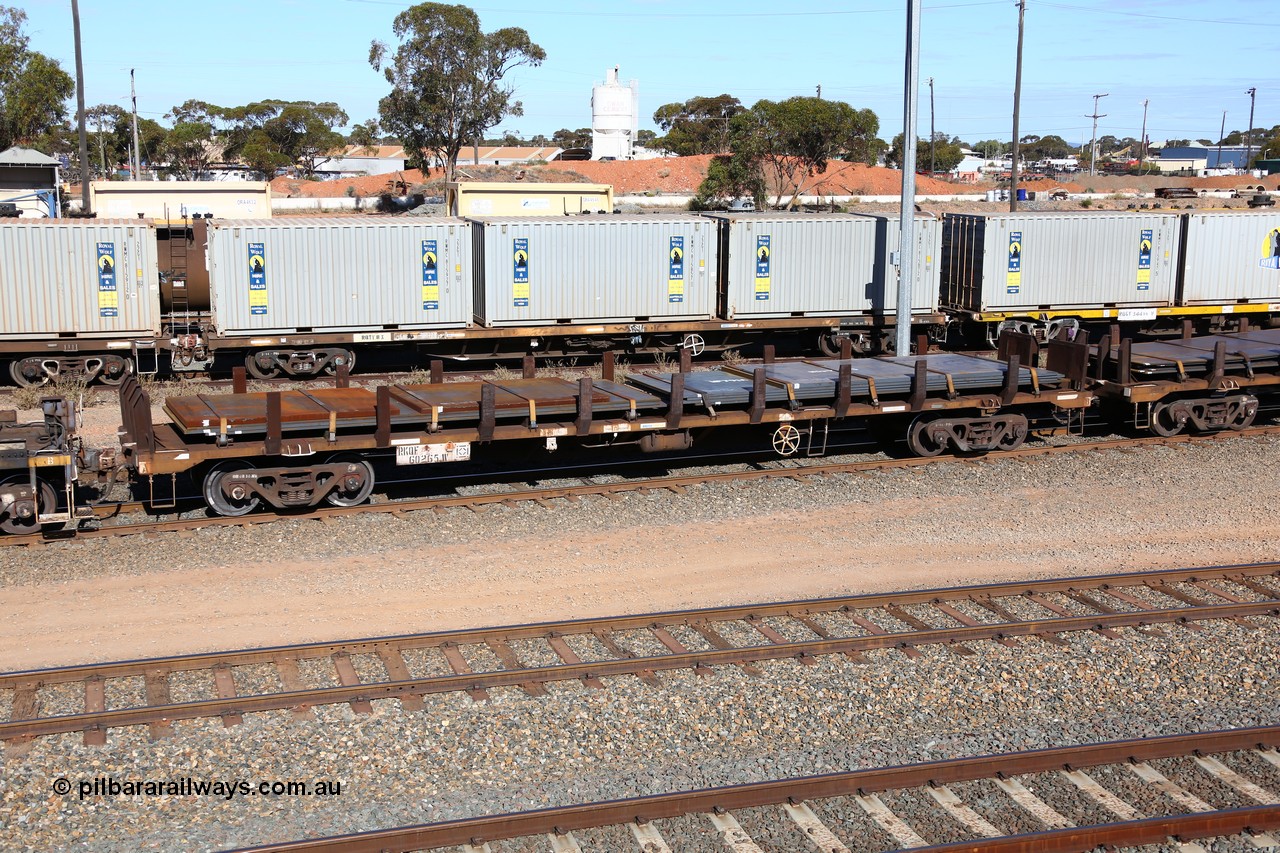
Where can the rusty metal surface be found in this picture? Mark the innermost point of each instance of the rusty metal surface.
(861, 782)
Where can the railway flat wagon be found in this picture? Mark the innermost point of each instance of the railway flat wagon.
(1231, 258)
(1044, 272)
(76, 296)
(823, 265)
(584, 270)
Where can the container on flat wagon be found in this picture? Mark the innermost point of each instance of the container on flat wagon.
(594, 269)
(1059, 260)
(822, 265)
(339, 275)
(86, 278)
(1231, 257)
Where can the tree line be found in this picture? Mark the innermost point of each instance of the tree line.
(448, 91)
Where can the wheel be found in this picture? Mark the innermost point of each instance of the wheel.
(108, 378)
(257, 371)
(1248, 416)
(695, 344)
(46, 499)
(29, 373)
(348, 357)
(355, 490)
(919, 441)
(786, 440)
(223, 504)
(1163, 422)
(1016, 436)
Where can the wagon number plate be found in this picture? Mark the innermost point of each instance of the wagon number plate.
(422, 454)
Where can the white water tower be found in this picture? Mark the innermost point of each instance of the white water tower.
(615, 118)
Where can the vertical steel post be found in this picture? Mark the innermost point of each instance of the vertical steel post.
(84, 136)
(906, 221)
(1017, 106)
(135, 165)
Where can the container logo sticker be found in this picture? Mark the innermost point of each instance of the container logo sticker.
(1013, 277)
(764, 259)
(1271, 251)
(257, 278)
(430, 277)
(1144, 261)
(108, 292)
(520, 272)
(675, 275)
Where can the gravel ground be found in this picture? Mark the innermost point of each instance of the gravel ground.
(458, 758)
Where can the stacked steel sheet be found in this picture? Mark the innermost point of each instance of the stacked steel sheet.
(411, 406)
(815, 381)
(1195, 356)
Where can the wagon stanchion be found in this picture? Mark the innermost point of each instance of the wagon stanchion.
(675, 407)
(607, 366)
(529, 369)
(437, 371)
(1012, 374)
(770, 353)
(239, 380)
(342, 377)
(758, 390)
(846, 348)
(585, 396)
(686, 360)
(272, 441)
(382, 411)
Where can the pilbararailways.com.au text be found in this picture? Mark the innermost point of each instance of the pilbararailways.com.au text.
(187, 786)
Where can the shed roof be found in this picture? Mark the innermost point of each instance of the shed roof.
(17, 156)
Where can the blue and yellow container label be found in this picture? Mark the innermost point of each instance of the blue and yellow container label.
(257, 278)
(675, 274)
(430, 276)
(1013, 275)
(1144, 261)
(764, 260)
(108, 289)
(520, 272)
(1271, 250)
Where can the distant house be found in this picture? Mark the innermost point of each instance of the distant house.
(29, 180)
(506, 155)
(354, 160)
(1194, 157)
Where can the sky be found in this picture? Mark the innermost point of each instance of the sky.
(1189, 60)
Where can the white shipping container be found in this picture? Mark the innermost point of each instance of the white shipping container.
(823, 265)
(78, 278)
(1020, 262)
(339, 275)
(595, 269)
(1232, 257)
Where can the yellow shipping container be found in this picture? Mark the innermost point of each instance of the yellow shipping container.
(172, 201)
(478, 198)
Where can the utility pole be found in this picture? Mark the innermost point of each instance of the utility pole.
(932, 132)
(84, 135)
(907, 215)
(102, 148)
(1093, 146)
(1017, 101)
(1248, 134)
(1221, 133)
(819, 91)
(1142, 140)
(135, 165)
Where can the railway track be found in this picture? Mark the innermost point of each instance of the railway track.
(96, 697)
(824, 812)
(674, 483)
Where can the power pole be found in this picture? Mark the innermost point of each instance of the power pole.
(135, 167)
(819, 91)
(84, 135)
(907, 214)
(1093, 146)
(1017, 101)
(1248, 134)
(932, 132)
(1221, 133)
(1142, 140)
(102, 149)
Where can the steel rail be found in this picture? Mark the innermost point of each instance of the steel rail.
(675, 483)
(641, 810)
(98, 720)
(664, 618)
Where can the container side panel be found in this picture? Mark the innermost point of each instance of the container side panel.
(1233, 258)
